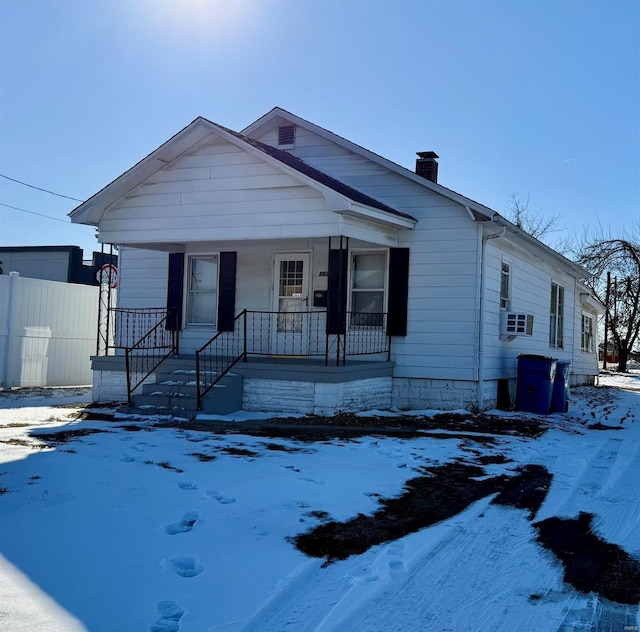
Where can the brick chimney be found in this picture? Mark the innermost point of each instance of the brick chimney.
(427, 165)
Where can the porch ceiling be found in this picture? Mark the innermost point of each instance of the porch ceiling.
(346, 223)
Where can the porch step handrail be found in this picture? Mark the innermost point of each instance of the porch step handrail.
(218, 355)
(140, 359)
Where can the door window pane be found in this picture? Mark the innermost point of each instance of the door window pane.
(291, 277)
(291, 297)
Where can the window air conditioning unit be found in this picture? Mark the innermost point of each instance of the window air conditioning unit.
(513, 324)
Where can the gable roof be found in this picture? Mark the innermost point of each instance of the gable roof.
(319, 176)
(90, 211)
(478, 212)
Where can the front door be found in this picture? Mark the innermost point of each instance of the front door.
(291, 302)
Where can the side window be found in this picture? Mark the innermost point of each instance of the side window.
(505, 286)
(556, 316)
(202, 290)
(368, 288)
(587, 333)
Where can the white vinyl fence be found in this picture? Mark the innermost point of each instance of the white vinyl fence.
(47, 332)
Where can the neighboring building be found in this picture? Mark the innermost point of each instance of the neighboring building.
(335, 253)
(53, 263)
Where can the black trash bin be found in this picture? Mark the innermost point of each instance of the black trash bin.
(560, 396)
(536, 375)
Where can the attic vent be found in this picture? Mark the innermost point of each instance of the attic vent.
(286, 135)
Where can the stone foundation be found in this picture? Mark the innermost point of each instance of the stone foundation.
(109, 386)
(421, 394)
(318, 398)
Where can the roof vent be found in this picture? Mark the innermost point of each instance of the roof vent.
(286, 135)
(427, 165)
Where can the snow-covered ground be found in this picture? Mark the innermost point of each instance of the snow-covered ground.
(166, 529)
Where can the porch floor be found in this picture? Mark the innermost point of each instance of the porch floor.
(272, 368)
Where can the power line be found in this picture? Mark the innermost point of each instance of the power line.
(24, 210)
(31, 186)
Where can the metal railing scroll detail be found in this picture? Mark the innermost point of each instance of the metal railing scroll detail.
(149, 352)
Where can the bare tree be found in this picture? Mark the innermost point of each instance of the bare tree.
(536, 223)
(618, 259)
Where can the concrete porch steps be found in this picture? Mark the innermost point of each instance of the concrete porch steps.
(174, 393)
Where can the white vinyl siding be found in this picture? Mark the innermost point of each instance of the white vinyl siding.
(442, 310)
(530, 294)
(216, 191)
(142, 278)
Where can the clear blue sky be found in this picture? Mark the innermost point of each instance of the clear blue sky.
(538, 97)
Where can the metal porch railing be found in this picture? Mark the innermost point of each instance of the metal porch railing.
(149, 352)
(147, 342)
(288, 335)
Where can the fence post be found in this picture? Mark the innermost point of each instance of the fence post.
(9, 348)
(244, 325)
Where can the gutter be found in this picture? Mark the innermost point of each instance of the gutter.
(480, 306)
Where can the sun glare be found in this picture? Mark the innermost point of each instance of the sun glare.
(196, 21)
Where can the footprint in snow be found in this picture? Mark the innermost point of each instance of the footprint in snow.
(185, 525)
(396, 564)
(364, 574)
(186, 566)
(170, 614)
(221, 498)
(312, 480)
(187, 485)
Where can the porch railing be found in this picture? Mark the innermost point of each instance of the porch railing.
(288, 335)
(130, 324)
(216, 357)
(149, 352)
(147, 342)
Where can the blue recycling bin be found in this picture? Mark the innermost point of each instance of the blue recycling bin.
(536, 375)
(560, 395)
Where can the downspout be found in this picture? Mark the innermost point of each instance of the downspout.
(480, 285)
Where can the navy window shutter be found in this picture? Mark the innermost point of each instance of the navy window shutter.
(337, 292)
(227, 291)
(398, 291)
(175, 291)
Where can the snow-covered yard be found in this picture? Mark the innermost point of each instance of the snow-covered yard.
(121, 525)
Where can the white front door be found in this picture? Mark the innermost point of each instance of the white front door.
(291, 301)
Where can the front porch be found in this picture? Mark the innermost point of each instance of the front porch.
(293, 385)
(264, 361)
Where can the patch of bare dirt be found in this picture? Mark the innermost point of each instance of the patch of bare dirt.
(590, 563)
(442, 492)
(348, 426)
(60, 437)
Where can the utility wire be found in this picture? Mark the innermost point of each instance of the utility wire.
(31, 186)
(24, 210)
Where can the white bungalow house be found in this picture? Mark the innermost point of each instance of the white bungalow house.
(323, 277)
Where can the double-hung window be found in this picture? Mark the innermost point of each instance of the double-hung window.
(368, 288)
(505, 284)
(202, 290)
(556, 316)
(587, 333)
